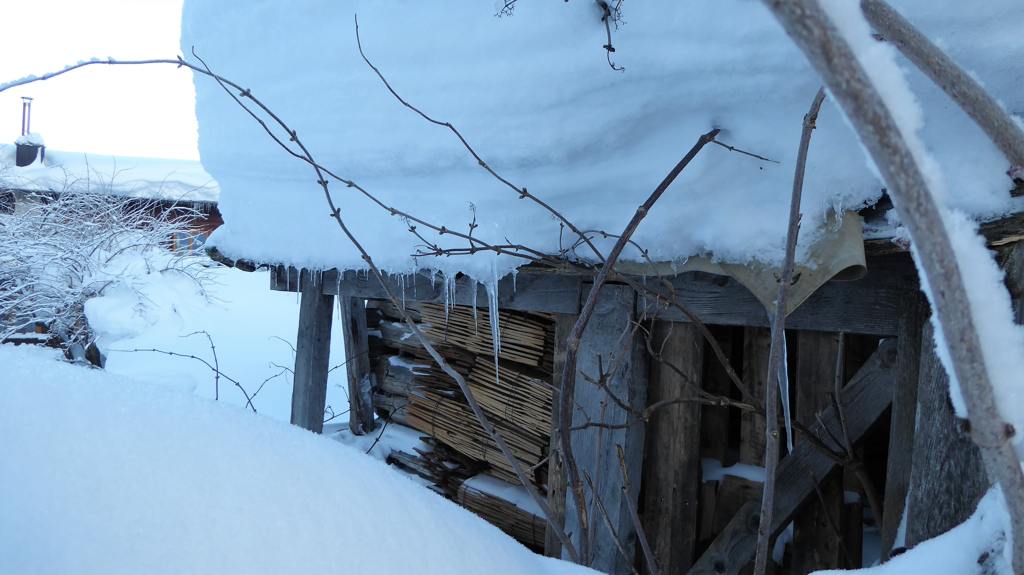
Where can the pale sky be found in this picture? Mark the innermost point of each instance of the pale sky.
(117, 110)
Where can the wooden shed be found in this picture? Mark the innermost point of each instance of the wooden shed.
(669, 436)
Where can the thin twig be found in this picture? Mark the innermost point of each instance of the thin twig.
(608, 523)
(521, 191)
(771, 456)
(744, 152)
(627, 489)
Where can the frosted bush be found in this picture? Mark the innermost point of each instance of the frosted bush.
(57, 250)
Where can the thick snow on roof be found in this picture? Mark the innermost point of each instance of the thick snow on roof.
(106, 475)
(534, 95)
(150, 178)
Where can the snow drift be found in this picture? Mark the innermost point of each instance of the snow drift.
(105, 475)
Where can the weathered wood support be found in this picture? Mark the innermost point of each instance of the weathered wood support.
(903, 420)
(556, 467)
(361, 379)
(672, 472)
(609, 344)
(864, 399)
(312, 353)
(948, 477)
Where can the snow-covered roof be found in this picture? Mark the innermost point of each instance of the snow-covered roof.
(535, 96)
(149, 178)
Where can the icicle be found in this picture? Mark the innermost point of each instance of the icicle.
(473, 289)
(401, 286)
(447, 296)
(337, 290)
(784, 394)
(837, 212)
(492, 311)
(515, 274)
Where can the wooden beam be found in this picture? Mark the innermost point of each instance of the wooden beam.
(556, 468)
(672, 475)
(948, 477)
(903, 421)
(816, 545)
(361, 378)
(312, 353)
(869, 305)
(864, 398)
(609, 342)
(527, 291)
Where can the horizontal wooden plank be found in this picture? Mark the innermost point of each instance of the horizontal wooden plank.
(543, 292)
(869, 305)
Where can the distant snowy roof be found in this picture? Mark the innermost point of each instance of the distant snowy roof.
(150, 178)
(535, 96)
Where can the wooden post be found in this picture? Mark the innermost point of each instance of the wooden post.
(312, 353)
(903, 421)
(757, 343)
(607, 343)
(357, 364)
(556, 471)
(816, 545)
(672, 472)
(948, 476)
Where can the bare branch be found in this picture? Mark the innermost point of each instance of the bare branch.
(521, 191)
(771, 456)
(573, 342)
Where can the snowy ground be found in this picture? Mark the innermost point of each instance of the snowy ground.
(252, 328)
(103, 474)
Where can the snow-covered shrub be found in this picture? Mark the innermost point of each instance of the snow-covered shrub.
(60, 249)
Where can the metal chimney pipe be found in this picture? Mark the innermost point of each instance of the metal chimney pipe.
(26, 115)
